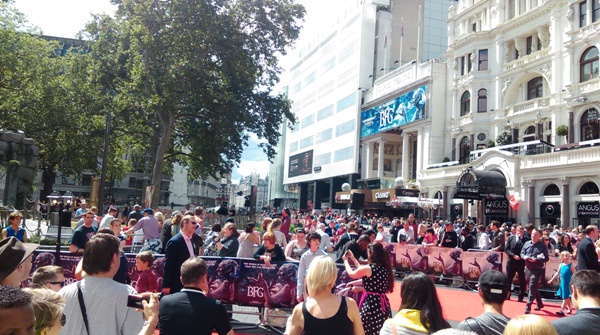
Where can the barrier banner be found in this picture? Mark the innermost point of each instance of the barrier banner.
(476, 262)
(551, 267)
(411, 257)
(223, 276)
(446, 261)
(267, 286)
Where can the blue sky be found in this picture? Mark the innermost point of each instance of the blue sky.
(65, 18)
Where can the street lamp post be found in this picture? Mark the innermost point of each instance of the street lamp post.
(62, 208)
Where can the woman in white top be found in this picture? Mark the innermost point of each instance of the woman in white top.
(274, 228)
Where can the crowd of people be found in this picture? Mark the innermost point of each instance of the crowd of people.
(101, 299)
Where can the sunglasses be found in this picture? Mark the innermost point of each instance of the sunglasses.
(61, 283)
(63, 320)
(193, 222)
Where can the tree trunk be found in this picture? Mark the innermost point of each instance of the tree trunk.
(168, 123)
(48, 181)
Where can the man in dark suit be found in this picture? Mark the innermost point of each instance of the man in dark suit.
(178, 250)
(587, 259)
(516, 265)
(190, 311)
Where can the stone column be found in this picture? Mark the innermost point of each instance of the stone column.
(369, 160)
(445, 203)
(380, 159)
(571, 135)
(565, 213)
(405, 156)
(454, 148)
(530, 200)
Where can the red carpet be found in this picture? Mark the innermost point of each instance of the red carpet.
(459, 304)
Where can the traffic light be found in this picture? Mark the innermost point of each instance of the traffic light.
(247, 201)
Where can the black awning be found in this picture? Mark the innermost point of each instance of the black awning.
(480, 184)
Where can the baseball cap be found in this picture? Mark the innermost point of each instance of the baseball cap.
(12, 254)
(149, 211)
(493, 282)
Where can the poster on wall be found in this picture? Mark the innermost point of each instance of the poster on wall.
(446, 261)
(300, 164)
(474, 263)
(397, 112)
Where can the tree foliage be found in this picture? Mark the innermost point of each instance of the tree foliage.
(53, 99)
(196, 76)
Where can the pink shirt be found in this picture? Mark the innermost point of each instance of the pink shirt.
(188, 242)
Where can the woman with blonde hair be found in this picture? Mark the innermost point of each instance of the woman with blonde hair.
(161, 219)
(274, 228)
(265, 226)
(529, 324)
(323, 312)
(48, 309)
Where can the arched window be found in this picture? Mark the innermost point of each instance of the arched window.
(588, 65)
(465, 150)
(551, 189)
(589, 188)
(529, 134)
(465, 103)
(590, 129)
(535, 88)
(482, 101)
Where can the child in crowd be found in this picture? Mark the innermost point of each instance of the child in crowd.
(147, 280)
(565, 271)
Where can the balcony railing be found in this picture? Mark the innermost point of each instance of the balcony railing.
(527, 59)
(526, 106)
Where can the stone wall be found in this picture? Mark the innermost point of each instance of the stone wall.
(19, 155)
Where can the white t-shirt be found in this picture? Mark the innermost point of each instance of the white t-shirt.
(106, 304)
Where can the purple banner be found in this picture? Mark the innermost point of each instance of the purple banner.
(474, 263)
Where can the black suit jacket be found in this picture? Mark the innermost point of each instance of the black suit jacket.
(176, 253)
(513, 248)
(587, 259)
(191, 312)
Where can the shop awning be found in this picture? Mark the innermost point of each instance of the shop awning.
(480, 184)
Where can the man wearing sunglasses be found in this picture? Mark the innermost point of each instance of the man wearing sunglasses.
(178, 250)
(15, 261)
(49, 276)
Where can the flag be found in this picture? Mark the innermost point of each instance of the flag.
(402, 28)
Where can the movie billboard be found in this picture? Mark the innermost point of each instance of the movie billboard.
(474, 263)
(397, 112)
(300, 164)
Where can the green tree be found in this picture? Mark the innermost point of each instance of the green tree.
(50, 97)
(200, 75)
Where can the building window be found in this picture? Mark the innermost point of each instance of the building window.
(295, 128)
(344, 128)
(462, 65)
(343, 154)
(325, 113)
(297, 87)
(589, 188)
(326, 89)
(307, 121)
(469, 63)
(595, 11)
(330, 64)
(583, 14)
(323, 159)
(346, 102)
(464, 150)
(324, 136)
(306, 142)
(294, 146)
(590, 128)
(465, 103)
(552, 189)
(535, 88)
(86, 180)
(310, 78)
(529, 134)
(529, 45)
(346, 52)
(483, 60)
(482, 101)
(588, 68)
